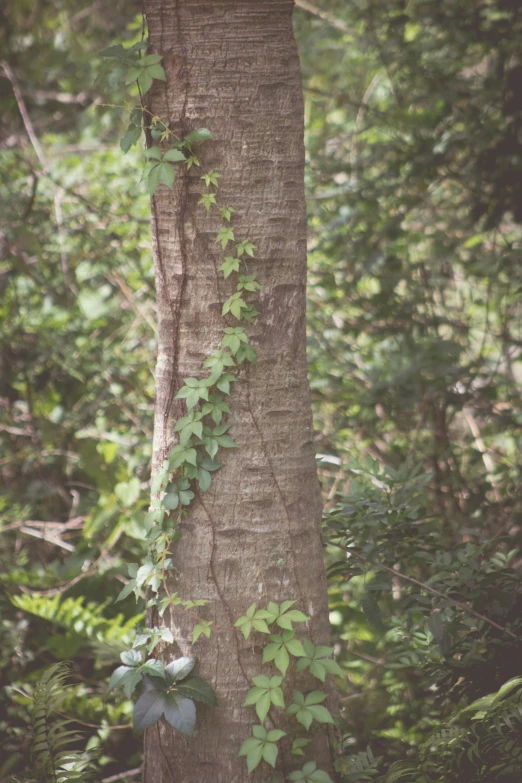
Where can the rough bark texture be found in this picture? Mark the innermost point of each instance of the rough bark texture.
(232, 67)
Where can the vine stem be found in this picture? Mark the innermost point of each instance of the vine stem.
(430, 589)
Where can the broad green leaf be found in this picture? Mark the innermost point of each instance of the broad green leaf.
(131, 657)
(263, 705)
(150, 706)
(270, 752)
(174, 156)
(198, 689)
(153, 152)
(180, 712)
(254, 758)
(179, 669)
(166, 174)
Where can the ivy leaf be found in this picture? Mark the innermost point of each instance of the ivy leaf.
(229, 265)
(180, 668)
(131, 137)
(131, 657)
(270, 752)
(128, 492)
(180, 712)
(150, 706)
(224, 236)
(166, 174)
(198, 689)
(153, 180)
(125, 677)
(174, 156)
(201, 629)
(154, 153)
(297, 746)
(153, 668)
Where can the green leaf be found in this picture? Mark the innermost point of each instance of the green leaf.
(173, 156)
(282, 660)
(131, 657)
(144, 81)
(153, 152)
(331, 666)
(270, 752)
(201, 629)
(320, 713)
(229, 265)
(319, 776)
(131, 137)
(198, 689)
(260, 625)
(166, 174)
(204, 479)
(125, 677)
(180, 668)
(225, 235)
(295, 648)
(157, 72)
(315, 697)
(305, 717)
(152, 59)
(297, 746)
(254, 758)
(128, 492)
(263, 705)
(171, 501)
(180, 712)
(153, 668)
(153, 180)
(318, 670)
(150, 706)
(248, 745)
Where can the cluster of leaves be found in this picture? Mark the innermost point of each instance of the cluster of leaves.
(432, 626)
(168, 690)
(267, 691)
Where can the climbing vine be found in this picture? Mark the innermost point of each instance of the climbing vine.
(170, 690)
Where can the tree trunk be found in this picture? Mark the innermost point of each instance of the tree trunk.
(232, 67)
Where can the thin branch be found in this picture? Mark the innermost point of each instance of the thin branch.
(430, 589)
(122, 775)
(324, 15)
(25, 115)
(29, 127)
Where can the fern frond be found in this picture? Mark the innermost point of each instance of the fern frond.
(51, 756)
(86, 620)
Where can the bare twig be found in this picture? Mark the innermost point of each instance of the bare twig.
(324, 15)
(58, 196)
(122, 775)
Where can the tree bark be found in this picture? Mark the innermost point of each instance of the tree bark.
(232, 67)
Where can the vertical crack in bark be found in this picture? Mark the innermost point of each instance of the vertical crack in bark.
(218, 588)
(277, 485)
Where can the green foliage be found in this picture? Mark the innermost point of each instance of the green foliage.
(51, 755)
(310, 774)
(309, 708)
(261, 747)
(171, 692)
